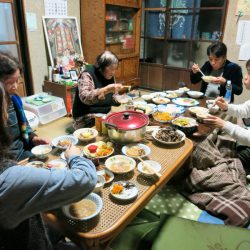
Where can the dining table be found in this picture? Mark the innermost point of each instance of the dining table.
(98, 233)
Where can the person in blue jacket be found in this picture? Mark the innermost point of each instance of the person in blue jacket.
(23, 137)
(26, 191)
(221, 69)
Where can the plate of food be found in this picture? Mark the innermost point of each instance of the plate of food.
(184, 101)
(171, 108)
(136, 150)
(64, 141)
(108, 175)
(184, 89)
(120, 164)
(168, 135)
(146, 108)
(195, 110)
(160, 100)
(158, 94)
(85, 134)
(163, 117)
(57, 163)
(99, 149)
(123, 190)
(85, 209)
(186, 124)
(171, 94)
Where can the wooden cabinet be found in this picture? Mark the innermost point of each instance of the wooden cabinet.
(174, 35)
(115, 26)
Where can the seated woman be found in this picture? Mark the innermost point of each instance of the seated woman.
(27, 191)
(240, 134)
(22, 136)
(222, 70)
(96, 87)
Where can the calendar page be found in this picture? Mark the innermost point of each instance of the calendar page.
(55, 7)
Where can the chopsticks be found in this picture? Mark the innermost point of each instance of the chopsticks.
(149, 168)
(200, 70)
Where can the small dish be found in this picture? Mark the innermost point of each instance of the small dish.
(62, 142)
(163, 117)
(120, 164)
(153, 164)
(108, 175)
(185, 124)
(67, 210)
(184, 101)
(147, 97)
(195, 110)
(85, 134)
(201, 117)
(100, 183)
(171, 136)
(41, 151)
(127, 190)
(160, 100)
(57, 163)
(171, 94)
(184, 89)
(195, 94)
(136, 150)
(37, 164)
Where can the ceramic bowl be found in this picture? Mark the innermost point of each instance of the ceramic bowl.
(144, 147)
(195, 94)
(57, 163)
(120, 164)
(58, 142)
(186, 124)
(100, 183)
(41, 151)
(153, 164)
(85, 134)
(92, 197)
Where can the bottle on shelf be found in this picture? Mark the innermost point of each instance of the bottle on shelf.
(228, 94)
(55, 75)
(61, 71)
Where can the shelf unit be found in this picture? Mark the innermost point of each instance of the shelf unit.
(174, 35)
(115, 26)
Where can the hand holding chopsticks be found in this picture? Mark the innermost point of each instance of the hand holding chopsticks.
(196, 68)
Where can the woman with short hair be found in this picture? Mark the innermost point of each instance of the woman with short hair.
(221, 69)
(96, 87)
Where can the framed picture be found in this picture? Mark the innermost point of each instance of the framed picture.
(63, 41)
(73, 75)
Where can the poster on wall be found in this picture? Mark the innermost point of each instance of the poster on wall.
(63, 41)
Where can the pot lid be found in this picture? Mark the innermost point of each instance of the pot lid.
(127, 120)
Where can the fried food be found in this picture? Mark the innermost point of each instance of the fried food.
(135, 151)
(64, 143)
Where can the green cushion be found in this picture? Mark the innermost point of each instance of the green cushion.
(182, 234)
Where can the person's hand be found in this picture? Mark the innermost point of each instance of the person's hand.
(72, 150)
(195, 68)
(38, 140)
(214, 121)
(223, 105)
(219, 80)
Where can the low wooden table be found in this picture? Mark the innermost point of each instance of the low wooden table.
(116, 215)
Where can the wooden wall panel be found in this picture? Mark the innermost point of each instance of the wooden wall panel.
(155, 77)
(128, 3)
(130, 68)
(93, 28)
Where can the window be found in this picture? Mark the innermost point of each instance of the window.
(177, 33)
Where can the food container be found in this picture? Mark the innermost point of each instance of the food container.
(98, 122)
(126, 126)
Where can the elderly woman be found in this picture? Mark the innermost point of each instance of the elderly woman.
(240, 134)
(222, 70)
(26, 191)
(96, 87)
(22, 136)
